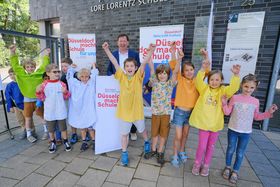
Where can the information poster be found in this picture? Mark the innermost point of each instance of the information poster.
(242, 42)
(82, 49)
(107, 129)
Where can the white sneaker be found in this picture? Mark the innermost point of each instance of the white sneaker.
(45, 136)
(133, 136)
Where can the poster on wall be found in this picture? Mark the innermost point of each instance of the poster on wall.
(82, 48)
(107, 129)
(162, 36)
(242, 42)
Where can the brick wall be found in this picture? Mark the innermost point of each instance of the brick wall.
(76, 17)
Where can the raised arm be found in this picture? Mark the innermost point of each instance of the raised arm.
(152, 67)
(173, 50)
(114, 61)
(268, 114)
(46, 61)
(234, 81)
(178, 65)
(147, 58)
(18, 69)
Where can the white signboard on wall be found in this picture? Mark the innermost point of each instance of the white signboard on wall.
(242, 42)
(162, 36)
(82, 49)
(107, 128)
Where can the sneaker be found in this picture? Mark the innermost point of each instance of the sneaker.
(195, 169)
(150, 154)
(124, 159)
(147, 147)
(87, 136)
(31, 139)
(133, 136)
(67, 146)
(22, 135)
(84, 146)
(182, 157)
(204, 171)
(52, 147)
(93, 145)
(175, 161)
(45, 136)
(33, 132)
(74, 138)
(226, 173)
(160, 158)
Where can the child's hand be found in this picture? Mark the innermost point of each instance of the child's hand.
(180, 54)
(203, 52)
(152, 47)
(48, 51)
(224, 100)
(12, 110)
(205, 64)
(273, 108)
(173, 47)
(13, 49)
(236, 69)
(38, 88)
(93, 65)
(64, 89)
(73, 65)
(105, 46)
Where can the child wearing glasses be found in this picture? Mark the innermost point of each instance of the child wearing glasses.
(54, 93)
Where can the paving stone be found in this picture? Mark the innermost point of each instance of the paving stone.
(114, 154)
(171, 171)
(64, 178)
(51, 168)
(192, 144)
(217, 163)
(195, 181)
(140, 183)
(104, 163)
(276, 143)
(248, 174)
(272, 135)
(34, 150)
(259, 137)
(266, 146)
(2, 160)
(272, 154)
(88, 155)
(241, 183)
(5, 182)
(216, 185)
(151, 161)
(147, 172)
(270, 181)
(14, 161)
(135, 151)
(121, 175)
(78, 166)
(253, 148)
(276, 164)
(219, 153)
(256, 157)
(109, 184)
(34, 180)
(66, 156)
(264, 169)
(133, 161)
(93, 178)
(166, 181)
(215, 176)
(20, 172)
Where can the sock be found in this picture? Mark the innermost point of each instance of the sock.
(45, 128)
(65, 140)
(28, 132)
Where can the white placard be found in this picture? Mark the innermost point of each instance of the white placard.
(1, 85)
(82, 49)
(162, 36)
(242, 42)
(107, 129)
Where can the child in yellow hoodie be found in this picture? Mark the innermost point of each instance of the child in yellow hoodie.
(207, 115)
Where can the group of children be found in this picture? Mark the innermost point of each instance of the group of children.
(197, 103)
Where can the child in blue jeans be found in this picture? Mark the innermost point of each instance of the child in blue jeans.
(243, 109)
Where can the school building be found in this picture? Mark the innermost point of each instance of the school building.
(108, 18)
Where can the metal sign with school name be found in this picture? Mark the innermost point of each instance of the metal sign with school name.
(102, 6)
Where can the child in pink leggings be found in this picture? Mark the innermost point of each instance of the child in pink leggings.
(208, 116)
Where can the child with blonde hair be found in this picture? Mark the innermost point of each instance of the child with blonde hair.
(130, 105)
(82, 110)
(207, 115)
(53, 93)
(243, 109)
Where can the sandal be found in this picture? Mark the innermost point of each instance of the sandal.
(233, 177)
(183, 157)
(226, 173)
